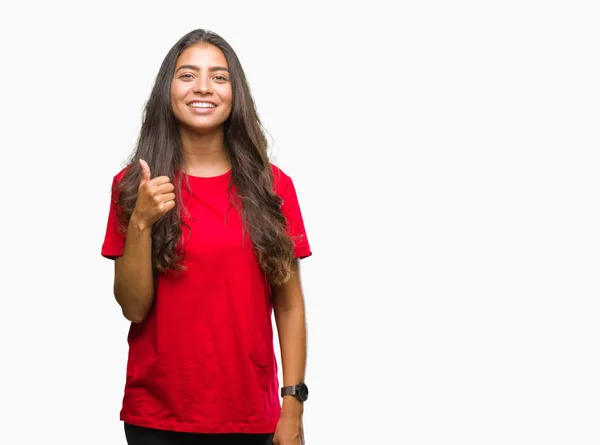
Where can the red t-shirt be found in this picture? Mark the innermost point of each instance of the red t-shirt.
(203, 360)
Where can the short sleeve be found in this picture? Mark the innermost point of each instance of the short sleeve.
(293, 215)
(114, 240)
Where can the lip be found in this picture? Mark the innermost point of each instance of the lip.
(197, 110)
(201, 100)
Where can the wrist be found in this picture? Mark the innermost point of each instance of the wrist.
(138, 223)
(291, 406)
(299, 392)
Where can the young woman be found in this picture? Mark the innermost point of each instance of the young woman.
(206, 235)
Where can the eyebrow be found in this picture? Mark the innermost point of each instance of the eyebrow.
(197, 68)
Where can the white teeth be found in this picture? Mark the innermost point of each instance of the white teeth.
(202, 105)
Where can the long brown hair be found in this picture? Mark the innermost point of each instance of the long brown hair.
(251, 174)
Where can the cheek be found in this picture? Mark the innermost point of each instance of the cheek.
(228, 97)
(178, 92)
(173, 95)
(176, 102)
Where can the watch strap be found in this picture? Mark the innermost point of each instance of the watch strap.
(300, 391)
(288, 391)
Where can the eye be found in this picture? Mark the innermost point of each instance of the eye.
(186, 76)
(220, 78)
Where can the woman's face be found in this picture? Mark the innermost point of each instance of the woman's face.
(201, 92)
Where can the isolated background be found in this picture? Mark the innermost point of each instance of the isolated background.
(445, 156)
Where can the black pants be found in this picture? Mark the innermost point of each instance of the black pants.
(137, 435)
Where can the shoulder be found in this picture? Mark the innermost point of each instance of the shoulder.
(116, 182)
(281, 180)
(121, 174)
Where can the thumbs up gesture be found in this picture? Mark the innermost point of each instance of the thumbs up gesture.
(155, 196)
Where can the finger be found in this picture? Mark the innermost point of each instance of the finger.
(165, 188)
(160, 198)
(167, 206)
(146, 175)
(159, 180)
(168, 197)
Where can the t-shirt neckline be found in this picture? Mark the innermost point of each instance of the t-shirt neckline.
(207, 178)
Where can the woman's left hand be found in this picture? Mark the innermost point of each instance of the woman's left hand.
(289, 429)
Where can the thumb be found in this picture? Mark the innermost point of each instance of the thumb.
(146, 176)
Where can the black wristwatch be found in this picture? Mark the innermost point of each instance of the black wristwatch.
(299, 391)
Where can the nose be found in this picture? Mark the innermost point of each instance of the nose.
(202, 86)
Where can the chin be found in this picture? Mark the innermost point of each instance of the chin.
(204, 128)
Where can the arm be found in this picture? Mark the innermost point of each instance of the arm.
(134, 275)
(288, 305)
(134, 282)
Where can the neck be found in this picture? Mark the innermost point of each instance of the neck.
(204, 154)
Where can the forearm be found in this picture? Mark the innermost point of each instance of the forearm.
(291, 327)
(134, 283)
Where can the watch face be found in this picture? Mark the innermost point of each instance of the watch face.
(302, 391)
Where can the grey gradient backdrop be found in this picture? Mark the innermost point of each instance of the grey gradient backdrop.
(445, 156)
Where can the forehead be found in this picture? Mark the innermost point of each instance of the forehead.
(202, 54)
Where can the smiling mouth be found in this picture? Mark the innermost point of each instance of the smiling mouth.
(202, 105)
